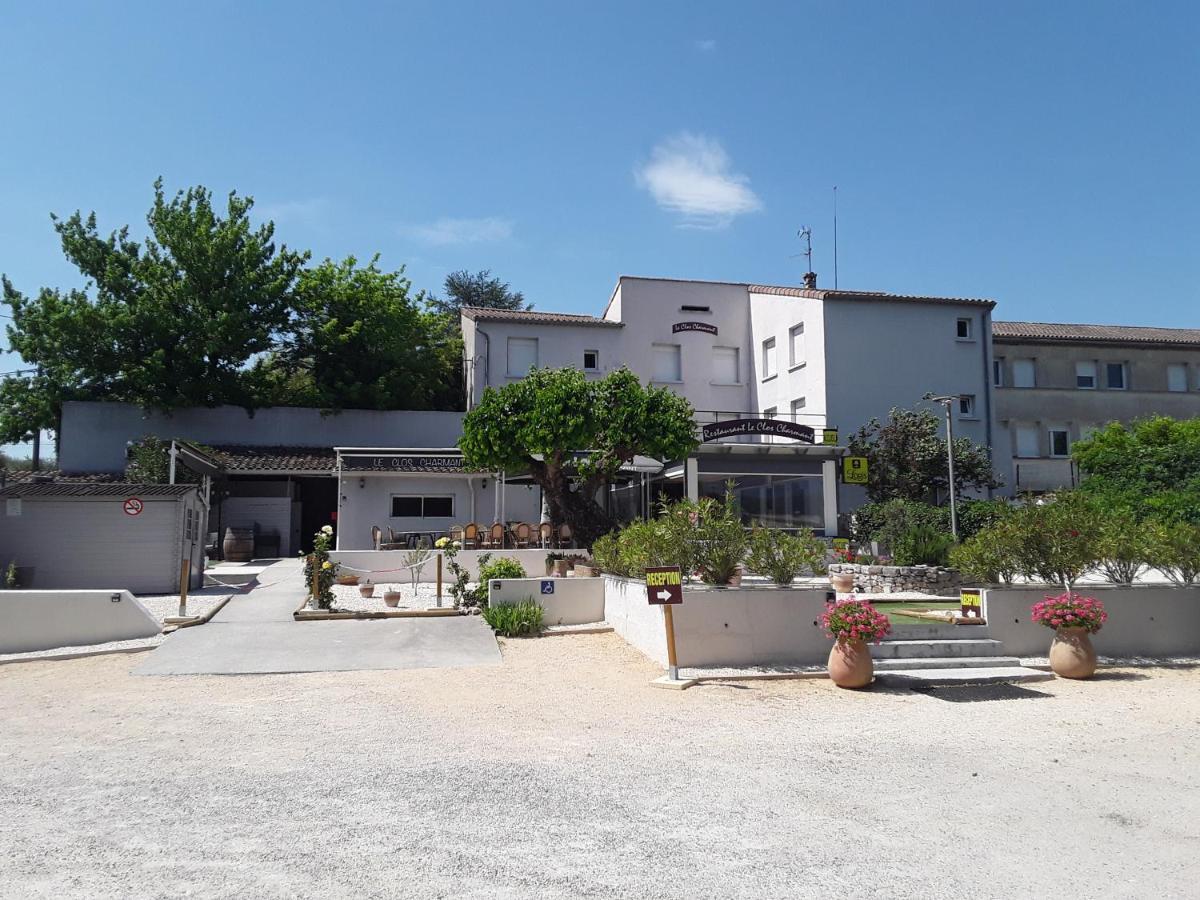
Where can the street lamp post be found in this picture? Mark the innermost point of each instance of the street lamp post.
(947, 401)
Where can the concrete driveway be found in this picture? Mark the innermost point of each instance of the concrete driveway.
(256, 634)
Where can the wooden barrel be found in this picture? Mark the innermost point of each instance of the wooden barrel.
(239, 544)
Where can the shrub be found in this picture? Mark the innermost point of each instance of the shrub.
(855, 620)
(514, 620)
(922, 545)
(1070, 611)
(10, 575)
(1124, 546)
(490, 569)
(976, 515)
(781, 556)
(886, 522)
(990, 556)
(720, 539)
(606, 551)
(676, 531)
(1057, 540)
(1174, 549)
(322, 541)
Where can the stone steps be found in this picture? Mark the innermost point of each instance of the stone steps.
(938, 648)
(946, 677)
(949, 662)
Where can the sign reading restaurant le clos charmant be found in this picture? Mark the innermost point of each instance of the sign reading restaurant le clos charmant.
(776, 427)
(401, 462)
(693, 326)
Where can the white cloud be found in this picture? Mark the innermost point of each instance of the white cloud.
(706, 46)
(689, 174)
(446, 231)
(307, 212)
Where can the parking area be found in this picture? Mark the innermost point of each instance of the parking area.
(562, 774)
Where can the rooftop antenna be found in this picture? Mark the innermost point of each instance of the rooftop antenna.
(835, 281)
(810, 277)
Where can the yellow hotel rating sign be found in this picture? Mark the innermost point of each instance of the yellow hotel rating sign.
(854, 470)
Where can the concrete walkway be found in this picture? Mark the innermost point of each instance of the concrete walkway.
(256, 634)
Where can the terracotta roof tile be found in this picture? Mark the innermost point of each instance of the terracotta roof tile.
(536, 317)
(1093, 334)
(827, 294)
(75, 488)
(238, 458)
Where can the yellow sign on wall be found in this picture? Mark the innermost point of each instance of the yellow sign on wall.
(829, 436)
(854, 470)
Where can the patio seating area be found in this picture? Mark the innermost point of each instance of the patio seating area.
(472, 536)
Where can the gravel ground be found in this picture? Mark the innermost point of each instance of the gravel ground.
(198, 602)
(563, 774)
(426, 596)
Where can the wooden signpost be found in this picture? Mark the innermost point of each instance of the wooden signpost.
(664, 587)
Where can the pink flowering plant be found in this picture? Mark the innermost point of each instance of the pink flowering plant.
(1070, 611)
(855, 620)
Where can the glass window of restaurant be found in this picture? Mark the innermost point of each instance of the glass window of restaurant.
(777, 501)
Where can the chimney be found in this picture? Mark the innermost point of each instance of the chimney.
(810, 280)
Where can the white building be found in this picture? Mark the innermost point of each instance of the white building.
(821, 358)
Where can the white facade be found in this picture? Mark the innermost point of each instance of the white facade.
(827, 359)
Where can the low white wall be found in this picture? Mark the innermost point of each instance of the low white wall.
(1143, 620)
(43, 620)
(566, 601)
(363, 562)
(747, 626)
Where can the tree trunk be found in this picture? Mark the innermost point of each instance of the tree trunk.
(587, 518)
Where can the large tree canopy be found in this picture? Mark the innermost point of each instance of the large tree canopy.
(1151, 467)
(481, 288)
(361, 339)
(573, 434)
(906, 459)
(167, 323)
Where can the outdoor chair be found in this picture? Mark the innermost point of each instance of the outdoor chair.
(522, 535)
(496, 536)
(471, 536)
(376, 537)
(565, 535)
(546, 534)
(456, 533)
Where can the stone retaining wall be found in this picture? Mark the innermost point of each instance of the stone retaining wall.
(879, 579)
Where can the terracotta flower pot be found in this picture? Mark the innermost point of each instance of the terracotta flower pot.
(1072, 654)
(391, 598)
(366, 590)
(850, 664)
(842, 582)
(560, 568)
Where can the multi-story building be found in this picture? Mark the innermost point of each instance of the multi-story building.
(823, 359)
(1055, 384)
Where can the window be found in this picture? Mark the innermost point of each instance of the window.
(966, 406)
(769, 369)
(667, 366)
(1060, 442)
(1177, 377)
(725, 365)
(964, 329)
(408, 506)
(770, 412)
(591, 360)
(687, 308)
(796, 341)
(1085, 375)
(797, 407)
(522, 356)
(1027, 441)
(1023, 374)
(998, 372)
(1115, 376)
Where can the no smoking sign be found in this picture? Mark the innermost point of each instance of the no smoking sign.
(132, 506)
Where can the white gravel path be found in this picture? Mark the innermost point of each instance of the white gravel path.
(562, 774)
(425, 597)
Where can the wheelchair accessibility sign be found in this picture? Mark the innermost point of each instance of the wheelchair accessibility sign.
(547, 586)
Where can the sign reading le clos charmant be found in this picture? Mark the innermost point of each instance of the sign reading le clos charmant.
(776, 427)
(693, 326)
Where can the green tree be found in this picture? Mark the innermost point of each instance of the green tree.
(1151, 466)
(170, 322)
(572, 435)
(361, 339)
(480, 288)
(906, 459)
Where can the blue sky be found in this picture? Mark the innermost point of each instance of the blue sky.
(1043, 154)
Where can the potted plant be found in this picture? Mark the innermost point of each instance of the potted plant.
(551, 559)
(366, 589)
(391, 598)
(347, 580)
(561, 567)
(1074, 619)
(720, 539)
(852, 623)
